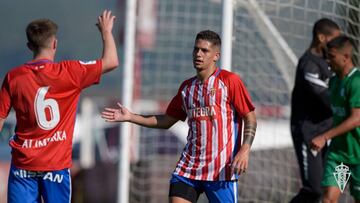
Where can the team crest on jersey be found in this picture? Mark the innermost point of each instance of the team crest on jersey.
(342, 176)
(87, 62)
(212, 91)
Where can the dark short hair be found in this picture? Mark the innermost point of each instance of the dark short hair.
(324, 26)
(38, 32)
(339, 42)
(210, 36)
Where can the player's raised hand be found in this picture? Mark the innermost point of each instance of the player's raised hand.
(120, 114)
(106, 21)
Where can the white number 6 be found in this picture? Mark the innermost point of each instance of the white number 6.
(41, 104)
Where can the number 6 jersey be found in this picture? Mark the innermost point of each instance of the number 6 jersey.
(44, 96)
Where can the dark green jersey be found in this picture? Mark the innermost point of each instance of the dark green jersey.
(345, 95)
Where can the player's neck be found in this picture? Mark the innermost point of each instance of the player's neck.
(49, 55)
(346, 70)
(206, 73)
(317, 51)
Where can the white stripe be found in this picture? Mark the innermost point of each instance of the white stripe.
(224, 128)
(352, 72)
(202, 156)
(315, 81)
(313, 75)
(201, 96)
(235, 191)
(211, 86)
(183, 93)
(70, 186)
(305, 161)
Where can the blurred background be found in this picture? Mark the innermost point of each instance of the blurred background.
(267, 37)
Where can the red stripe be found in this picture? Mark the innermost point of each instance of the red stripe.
(219, 134)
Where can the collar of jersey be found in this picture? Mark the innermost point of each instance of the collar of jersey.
(39, 62)
(352, 71)
(215, 74)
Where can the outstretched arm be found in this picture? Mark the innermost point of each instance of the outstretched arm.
(109, 55)
(122, 114)
(241, 160)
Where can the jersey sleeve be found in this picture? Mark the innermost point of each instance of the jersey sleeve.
(354, 93)
(239, 95)
(175, 108)
(5, 103)
(314, 83)
(84, 74)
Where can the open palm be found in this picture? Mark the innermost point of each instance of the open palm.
(120, 114)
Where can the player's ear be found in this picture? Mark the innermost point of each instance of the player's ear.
(217, 53)
(55, 44)
(217, 56)
(322, 38)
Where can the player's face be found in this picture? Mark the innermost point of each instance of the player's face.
(205, 54)
(336, 59)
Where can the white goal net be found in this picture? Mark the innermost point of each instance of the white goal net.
(268, 37)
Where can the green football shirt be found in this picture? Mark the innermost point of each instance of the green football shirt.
(345, 95)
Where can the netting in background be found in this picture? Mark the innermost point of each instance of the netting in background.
(264, 64)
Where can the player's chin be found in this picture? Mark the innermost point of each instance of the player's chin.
(198, 67)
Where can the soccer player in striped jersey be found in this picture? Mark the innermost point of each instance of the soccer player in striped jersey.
(215, 103)
(310, 117)
(44, 95)
(343, 158)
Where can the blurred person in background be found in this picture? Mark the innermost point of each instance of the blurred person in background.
(214, 102)
(44, 95)
(310, 109)
(343, 158)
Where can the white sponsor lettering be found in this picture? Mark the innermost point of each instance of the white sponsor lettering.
(57, 137)
(207, 111)
(27, 174)
(56, 178)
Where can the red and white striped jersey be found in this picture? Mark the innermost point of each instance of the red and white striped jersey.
(214, 109)
(44, 96)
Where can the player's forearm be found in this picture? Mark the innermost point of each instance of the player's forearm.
(249, 129)
(151, 121)
(349, 124)
(109, 58)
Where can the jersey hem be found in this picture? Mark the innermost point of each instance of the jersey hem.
(29, 168)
